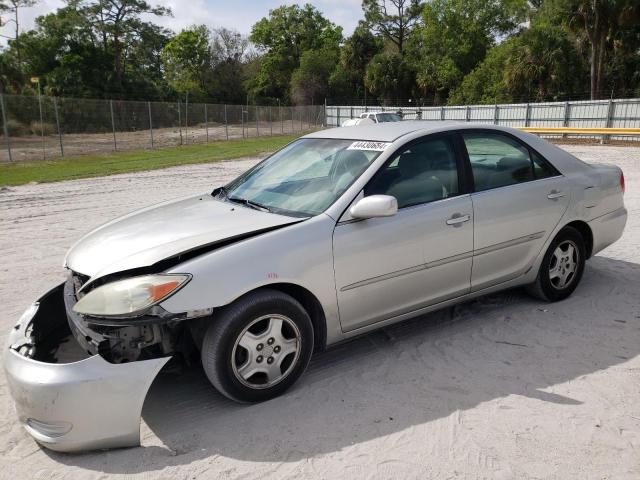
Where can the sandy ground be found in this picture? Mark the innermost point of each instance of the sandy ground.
(502, 387)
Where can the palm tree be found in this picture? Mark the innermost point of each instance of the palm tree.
(542, 60)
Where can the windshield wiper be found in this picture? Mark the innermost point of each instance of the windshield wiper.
(220, 192)
(249, 203)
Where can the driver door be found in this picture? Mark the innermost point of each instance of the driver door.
(386, 267)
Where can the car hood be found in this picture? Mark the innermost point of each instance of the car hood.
(147, 236)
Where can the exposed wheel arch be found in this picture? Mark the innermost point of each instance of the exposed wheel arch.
(308, 300)
(587, 234)
(311, 304)
(560, 263)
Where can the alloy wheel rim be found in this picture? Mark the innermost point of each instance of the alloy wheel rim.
(266, 351)
(564, 264)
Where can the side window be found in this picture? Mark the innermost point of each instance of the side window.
(424, 172)
(498, 160)
(542, 168)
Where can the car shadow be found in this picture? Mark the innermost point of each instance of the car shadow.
(404, 375)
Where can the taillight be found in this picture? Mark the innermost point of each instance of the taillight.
(622, 181)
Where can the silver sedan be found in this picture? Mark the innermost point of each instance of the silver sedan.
(341, 232)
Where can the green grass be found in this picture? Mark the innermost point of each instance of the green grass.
(20, 173)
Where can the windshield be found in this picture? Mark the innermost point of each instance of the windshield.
(305, 177)
(389, 117)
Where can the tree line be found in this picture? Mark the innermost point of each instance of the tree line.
(432, 52)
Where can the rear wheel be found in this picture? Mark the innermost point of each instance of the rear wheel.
(561, 268)
(258, 347)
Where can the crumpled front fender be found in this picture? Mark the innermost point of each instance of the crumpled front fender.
(83, 405)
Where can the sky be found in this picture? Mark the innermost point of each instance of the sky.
(240, 15)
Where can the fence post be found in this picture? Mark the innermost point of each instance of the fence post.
(186, 120)
(496, 114)
(206, 122)
(527, 116)
(610, 108)
(441, 113)
(468, 114)
(293, 121)
(113, 126)
(337, 116)
(150, 123)
(180, 122)
(351, 113)
(325, 121)
(55, 110)
(226, 125)
(5, 126)
(567, 108)
(270, 122)
(242, 119)
(257, 123)
(281, 119)
(565, 121)
(44, 146)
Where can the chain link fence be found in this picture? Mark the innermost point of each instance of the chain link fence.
(41, 128)
(614, 113)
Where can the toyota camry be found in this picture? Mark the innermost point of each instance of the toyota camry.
(340, 232)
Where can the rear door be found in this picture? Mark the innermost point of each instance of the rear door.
(518, 200)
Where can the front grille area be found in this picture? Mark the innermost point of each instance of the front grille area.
(86, 337)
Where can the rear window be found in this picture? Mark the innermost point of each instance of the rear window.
(499, 160)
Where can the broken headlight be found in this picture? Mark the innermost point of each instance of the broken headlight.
(130, 296)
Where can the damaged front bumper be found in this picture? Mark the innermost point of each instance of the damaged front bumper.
(69, 399)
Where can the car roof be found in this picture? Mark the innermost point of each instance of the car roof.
(392, 131)
(386, 132)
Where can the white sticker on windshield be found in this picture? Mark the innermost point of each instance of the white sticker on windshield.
(372, 146)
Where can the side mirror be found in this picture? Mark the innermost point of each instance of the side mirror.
(375, 206)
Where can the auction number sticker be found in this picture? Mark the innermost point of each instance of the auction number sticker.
(371, 146)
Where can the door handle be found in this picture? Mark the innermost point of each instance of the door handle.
(555, 194)
(458, 218)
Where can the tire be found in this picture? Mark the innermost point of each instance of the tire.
(266, 332)
(561, 268)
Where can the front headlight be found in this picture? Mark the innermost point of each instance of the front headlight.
(130, 296)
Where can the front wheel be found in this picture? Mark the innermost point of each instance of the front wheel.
(258, 347)
(561, 268)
